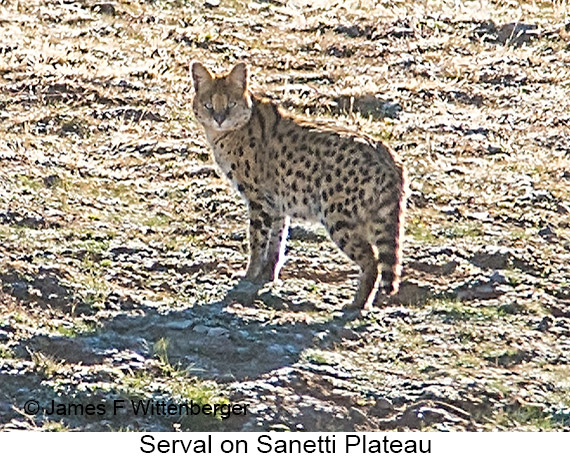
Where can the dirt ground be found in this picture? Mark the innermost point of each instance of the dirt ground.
(119, 241)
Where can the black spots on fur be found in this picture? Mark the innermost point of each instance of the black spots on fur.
(255, 206)
(240, 188)
(303, 147)
(256, 224)
(283, 149)
(328, 178)
(249, 131)
(282, 164)
(361, 194)
(294, 186)
(289, 172)
(364, 172)
(252, 144)
(289, 155)
(387, 258)
(294, 199)
(305, 201)
(239, 151)
(230, 175)
(328, 142)
(381, 221)
(280, 137)
(299, 174)
(233, 166)
(266, 219)
(338, 172)
(341, 225)
(318, 182)
(294, 138)
(391, 229)
(338, 226)
(338, 187)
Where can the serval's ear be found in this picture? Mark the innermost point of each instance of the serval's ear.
(200, 75)
(238, 76)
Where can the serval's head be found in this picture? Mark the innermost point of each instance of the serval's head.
(222, 102)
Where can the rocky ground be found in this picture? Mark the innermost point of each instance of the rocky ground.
(119, 241)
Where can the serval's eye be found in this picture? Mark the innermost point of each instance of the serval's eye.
(231, 104)
(209, 106)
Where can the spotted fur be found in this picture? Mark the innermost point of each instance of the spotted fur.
(287, 167)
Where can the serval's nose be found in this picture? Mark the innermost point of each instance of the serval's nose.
(220, 118)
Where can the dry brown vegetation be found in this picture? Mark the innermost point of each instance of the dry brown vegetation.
(119, 242)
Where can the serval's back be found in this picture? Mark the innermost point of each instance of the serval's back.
(287, 167)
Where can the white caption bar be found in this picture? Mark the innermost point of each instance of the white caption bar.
(282, 444)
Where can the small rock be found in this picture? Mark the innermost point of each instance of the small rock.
(357, 415)
(51, 180)
(547, 232)
(562, 209)
(212, 3)
(348, 334)
(499, 278)
(479, 289)
(218, 332)
(493, 257)
(412, 293)
(517, 34)
(382, 407)
(512, 308)
(104, 8)
(180, 325)
(352, 31)
(451, 210)
(4, 336)
(201, 328)
(544, 324)
(275, 349)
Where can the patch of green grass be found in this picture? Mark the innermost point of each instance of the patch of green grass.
(46, 364)
(419, 231)
(33, 184)
(471, 230)
(53, 426)
(317, 356)
(76, 329)
(157, 220)
(454, 310)
(528, 416)
(467, 361)
(160, 351)
(6, 352)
